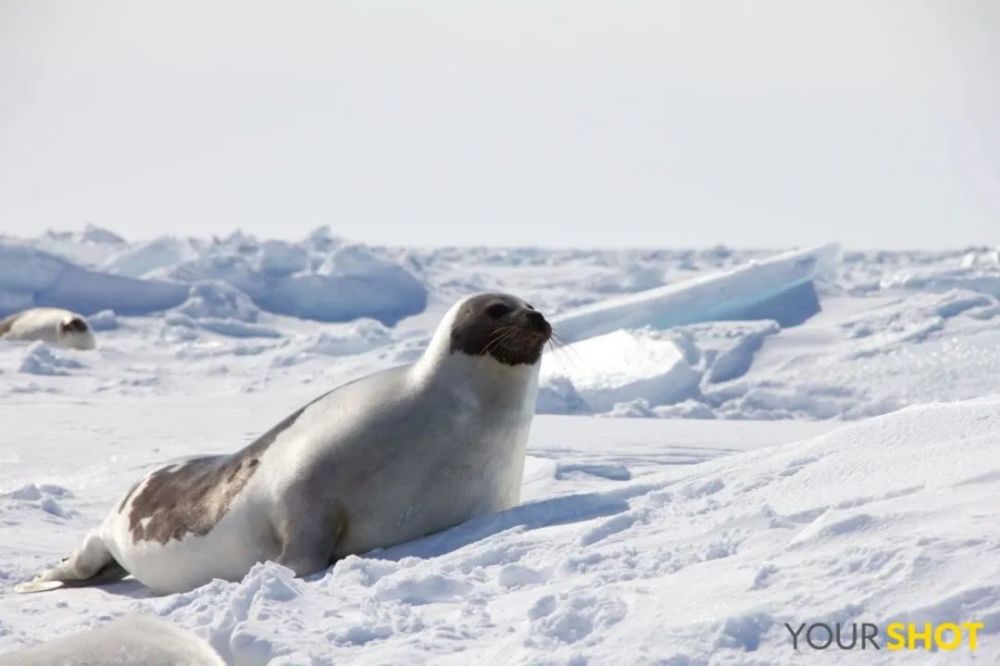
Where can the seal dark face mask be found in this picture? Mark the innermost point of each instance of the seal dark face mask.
(74, 325)
(506, 328)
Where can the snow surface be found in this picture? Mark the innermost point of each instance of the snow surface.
(740, 501)
(641, 540)
(830, 334)
(338, 284)
(641, 364)
(759, 289)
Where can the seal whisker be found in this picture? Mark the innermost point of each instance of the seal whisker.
(509, 336)
(571, 355)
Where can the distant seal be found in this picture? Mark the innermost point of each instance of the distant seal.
(391, 457)
(52, 325)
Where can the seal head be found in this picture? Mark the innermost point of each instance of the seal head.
(501, 326)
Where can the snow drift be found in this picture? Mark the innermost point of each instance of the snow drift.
(622, 552)
(738, 546)
(641, 372)
(30, 277)
(347, 283)
(778, 288)
(341, 283)
(621, 366)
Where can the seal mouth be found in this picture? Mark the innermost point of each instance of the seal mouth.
(522, 342)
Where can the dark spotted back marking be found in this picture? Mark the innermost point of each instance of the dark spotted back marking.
(194, 497)
(502, 326)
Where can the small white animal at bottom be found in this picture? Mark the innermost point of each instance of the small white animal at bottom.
(52, 325)
(129, 641)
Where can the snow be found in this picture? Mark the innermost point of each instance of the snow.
(30, 277)
(342, 284)
(103, 320)
(355, 338)
(971, 277)
(817, 323)
(641, 540)
(40, 359)
(144, 258)
(776, 288)
(633, 364)
(645, 372)
(90, 247)
(218, 300)
(790, 437)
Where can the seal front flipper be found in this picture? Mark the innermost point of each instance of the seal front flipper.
(308, 547)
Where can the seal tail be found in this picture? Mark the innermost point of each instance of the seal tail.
(91, 564)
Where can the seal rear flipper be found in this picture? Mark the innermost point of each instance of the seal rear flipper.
(111, 572)
(91, 564)
(37, 586)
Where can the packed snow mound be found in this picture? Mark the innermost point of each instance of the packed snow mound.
(30, 277)
(870, 349)
(643, 372)
(914, 318)
(347, 339)
(723, 351)
(103, 320)
(622, 366)
(180, 326)
(131, 640)
(896, 351)
(977, 274)
(342, 282)
(218, 300)
(348, 283)
(629, 278)
(351, 283)
(89, 247)
(557, 395)
(278, 258)
(40, 359)
(777, 288)
(144, 258)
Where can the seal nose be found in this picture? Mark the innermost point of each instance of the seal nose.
(537, 322)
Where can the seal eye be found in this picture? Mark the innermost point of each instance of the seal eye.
(497, 310)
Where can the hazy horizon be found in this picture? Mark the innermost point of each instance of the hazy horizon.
(568, 245)
(565, 124)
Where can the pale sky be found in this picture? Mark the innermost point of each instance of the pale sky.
(506, 122)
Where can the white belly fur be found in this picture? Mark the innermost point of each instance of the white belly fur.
(227, 551)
